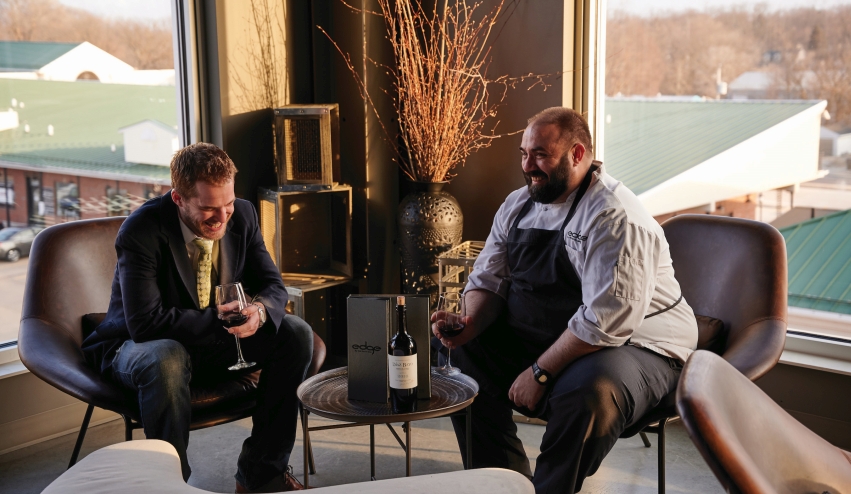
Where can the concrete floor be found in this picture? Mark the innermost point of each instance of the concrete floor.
(342, 456)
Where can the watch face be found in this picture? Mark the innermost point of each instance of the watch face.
(542, 378)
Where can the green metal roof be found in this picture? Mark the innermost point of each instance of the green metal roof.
(819, 252)
(30, 55)
(649, 142)
(86, 117)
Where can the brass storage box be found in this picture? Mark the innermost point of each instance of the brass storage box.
(323, 306)
(307, 146)
(308, 234)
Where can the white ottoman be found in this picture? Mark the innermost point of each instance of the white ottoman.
(148, 466)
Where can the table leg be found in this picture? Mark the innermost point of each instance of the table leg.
(371, 452)
(407, 449)
(469, 437)
(305, 447)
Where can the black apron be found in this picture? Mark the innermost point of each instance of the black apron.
(545, 292)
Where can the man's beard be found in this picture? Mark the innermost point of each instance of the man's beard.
(198, 227)
(555, 186)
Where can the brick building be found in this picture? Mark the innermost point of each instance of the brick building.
(65, 159)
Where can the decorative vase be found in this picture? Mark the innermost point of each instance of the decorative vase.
(430, 223)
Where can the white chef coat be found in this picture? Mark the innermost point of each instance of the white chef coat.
(620, 255)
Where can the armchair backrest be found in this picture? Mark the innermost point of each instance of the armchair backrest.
(734, 270)
(70, 273)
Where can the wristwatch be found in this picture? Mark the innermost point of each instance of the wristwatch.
(541, 376)
(262, 312)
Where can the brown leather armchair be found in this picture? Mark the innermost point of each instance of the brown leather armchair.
(733, 270)
(70, 275)
(750, 443)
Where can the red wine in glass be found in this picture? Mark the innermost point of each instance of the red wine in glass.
(230, 301)
(232, 319)
(450, 329)
(450, 312)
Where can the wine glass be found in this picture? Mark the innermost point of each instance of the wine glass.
(230, 300)
(451, 311)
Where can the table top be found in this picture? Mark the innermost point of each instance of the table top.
(326, 395)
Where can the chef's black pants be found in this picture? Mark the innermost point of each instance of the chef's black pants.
(587, 408)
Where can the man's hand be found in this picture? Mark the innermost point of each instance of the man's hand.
(526, 392)
(252, 324)
(439, 319)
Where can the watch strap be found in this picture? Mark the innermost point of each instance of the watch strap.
(542, 377)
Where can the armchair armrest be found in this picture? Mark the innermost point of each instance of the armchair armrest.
(755, 349)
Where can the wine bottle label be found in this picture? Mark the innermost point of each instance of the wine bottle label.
(403, 371)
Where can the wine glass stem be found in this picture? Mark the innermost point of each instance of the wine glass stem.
(238, 349)
(448, 358)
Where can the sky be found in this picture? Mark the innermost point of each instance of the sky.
(159, 9)
(128, 9)
(651, 7)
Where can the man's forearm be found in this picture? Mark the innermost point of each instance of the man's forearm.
(564, 351)
(483, 307)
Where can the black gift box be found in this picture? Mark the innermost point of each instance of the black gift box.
(371, 322)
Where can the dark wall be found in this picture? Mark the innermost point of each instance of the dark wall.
(819, 400)
(530, 42)
(365, 160)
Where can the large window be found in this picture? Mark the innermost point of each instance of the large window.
(88, 118)
(743, 110)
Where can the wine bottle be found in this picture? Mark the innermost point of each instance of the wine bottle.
(402, 363)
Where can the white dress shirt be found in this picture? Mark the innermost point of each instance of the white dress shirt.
(620, 255)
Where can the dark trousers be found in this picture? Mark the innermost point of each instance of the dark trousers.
(587, 408)
(160, 372)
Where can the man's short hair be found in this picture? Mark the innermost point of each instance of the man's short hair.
(573, 126)
(200, 162)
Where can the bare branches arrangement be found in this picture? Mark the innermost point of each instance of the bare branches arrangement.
(444, 101)
(259, 73)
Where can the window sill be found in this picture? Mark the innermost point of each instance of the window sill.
(10, 363)
(817, 353)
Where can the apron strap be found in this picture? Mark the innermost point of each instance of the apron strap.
(522, 213)
(666, 309)
(583, 187)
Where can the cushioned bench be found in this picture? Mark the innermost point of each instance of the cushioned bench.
(152, 466)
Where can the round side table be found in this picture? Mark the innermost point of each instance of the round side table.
(326, 395)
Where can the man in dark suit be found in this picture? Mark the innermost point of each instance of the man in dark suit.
(162, 329)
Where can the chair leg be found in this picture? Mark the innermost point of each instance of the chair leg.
(310, 457)
(644, 439)
(128, 428)
(310, 462)
(662, 455)
(81, 435)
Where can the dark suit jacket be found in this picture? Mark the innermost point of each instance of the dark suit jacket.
(154, 294)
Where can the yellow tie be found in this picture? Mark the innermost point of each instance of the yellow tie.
(205, 265)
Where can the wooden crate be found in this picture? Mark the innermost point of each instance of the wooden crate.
(455, 266)
(309, 234)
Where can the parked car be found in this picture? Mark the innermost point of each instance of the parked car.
(16, 242)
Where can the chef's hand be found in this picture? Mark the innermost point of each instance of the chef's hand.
(438, 319)
(526, 392)
(252, 324)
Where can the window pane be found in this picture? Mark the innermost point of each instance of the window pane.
(745, 111)
(88, 118)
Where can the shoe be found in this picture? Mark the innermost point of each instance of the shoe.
(282, 483)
